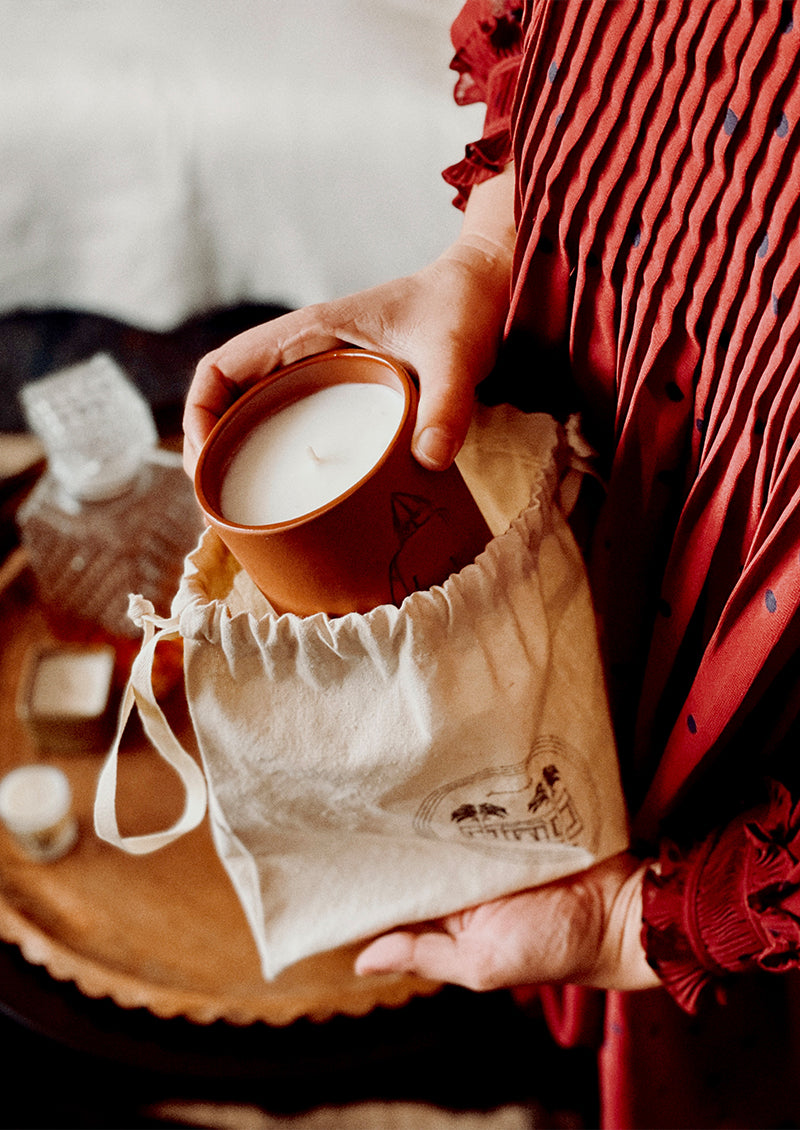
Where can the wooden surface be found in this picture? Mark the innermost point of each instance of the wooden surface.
(164, 931)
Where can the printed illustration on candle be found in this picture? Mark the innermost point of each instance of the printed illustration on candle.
(413, 517)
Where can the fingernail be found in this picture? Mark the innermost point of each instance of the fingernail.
(364, 969)
(435, 448)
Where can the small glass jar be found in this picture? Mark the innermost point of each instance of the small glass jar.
(36, 808)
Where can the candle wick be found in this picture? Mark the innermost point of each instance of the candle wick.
(313, 454)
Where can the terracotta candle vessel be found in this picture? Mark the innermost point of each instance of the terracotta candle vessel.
(309, 480)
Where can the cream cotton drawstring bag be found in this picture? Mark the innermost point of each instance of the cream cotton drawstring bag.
(370, 771)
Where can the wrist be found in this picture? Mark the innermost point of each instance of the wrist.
(488, 234)
(489, 260)
(622, 963)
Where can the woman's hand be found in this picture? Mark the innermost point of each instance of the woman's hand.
(585, 929)
(444, 322)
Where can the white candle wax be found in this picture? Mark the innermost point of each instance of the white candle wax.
(310, 452)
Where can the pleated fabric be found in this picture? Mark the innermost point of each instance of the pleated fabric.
(658, 153)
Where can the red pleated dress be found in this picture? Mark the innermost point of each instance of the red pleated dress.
(657, 155)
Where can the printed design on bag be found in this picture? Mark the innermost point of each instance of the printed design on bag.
(548, 799)
(412, 515)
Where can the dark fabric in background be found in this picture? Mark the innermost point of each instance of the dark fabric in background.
(34, 343)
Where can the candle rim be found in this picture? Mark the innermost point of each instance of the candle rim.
(405, 386)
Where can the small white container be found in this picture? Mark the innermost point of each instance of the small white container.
(36, 808)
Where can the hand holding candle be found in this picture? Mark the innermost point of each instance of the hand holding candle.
(444, 321)
(310, 482)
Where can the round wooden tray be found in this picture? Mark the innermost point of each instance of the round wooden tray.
(165, 931)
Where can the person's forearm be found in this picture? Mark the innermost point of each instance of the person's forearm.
(488, 233)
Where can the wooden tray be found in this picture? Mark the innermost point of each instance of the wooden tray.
(164, 931)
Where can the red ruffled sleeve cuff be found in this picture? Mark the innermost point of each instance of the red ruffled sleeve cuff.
(487, 36)
(731, 904)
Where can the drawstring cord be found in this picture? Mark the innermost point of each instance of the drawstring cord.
(139, 691)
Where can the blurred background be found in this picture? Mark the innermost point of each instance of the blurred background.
(171, 161)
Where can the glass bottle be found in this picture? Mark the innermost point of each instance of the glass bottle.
(112, 514)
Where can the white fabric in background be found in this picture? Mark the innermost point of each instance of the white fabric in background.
(165, 157)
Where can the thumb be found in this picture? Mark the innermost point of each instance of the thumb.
(432, 955)
(443, 417)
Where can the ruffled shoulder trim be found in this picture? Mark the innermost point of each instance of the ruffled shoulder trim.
(482, 159)
(485, 33)
(488, 37)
